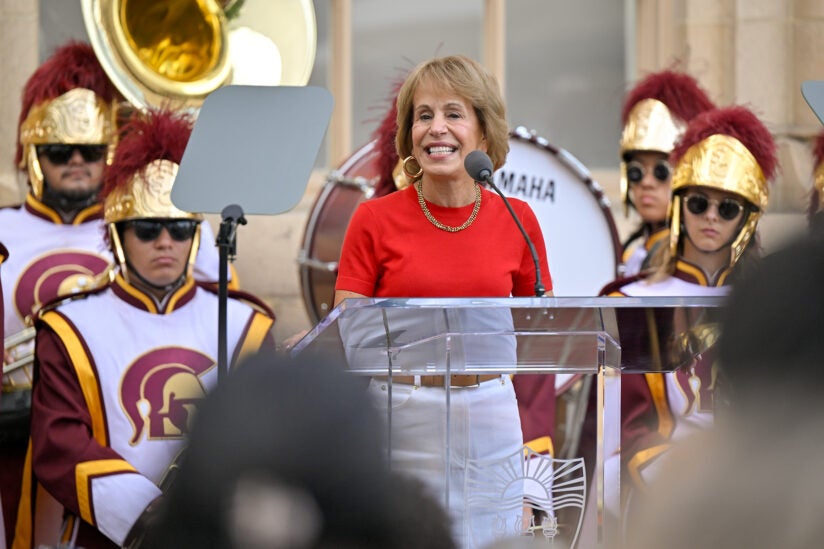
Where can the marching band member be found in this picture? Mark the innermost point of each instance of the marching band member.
(446, 236)
(66, 137)
(120, 368)
(723, 165)
(66, 133)
(655, 114)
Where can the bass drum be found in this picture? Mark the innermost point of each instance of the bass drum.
(352, 183)
(582, 241)
(583, 247)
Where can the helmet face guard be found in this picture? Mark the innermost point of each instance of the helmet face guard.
(720, 162)
(650, 127)
(120, 253)
(146, 195)
(78, 117)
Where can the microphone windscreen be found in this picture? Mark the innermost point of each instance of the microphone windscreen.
(478, 165)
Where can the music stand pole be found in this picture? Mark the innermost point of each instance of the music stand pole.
(226, 242)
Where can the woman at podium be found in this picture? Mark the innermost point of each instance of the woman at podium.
(445, 235)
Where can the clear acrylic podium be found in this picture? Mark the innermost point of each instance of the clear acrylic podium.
(604, 336)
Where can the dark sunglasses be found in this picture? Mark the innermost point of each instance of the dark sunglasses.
(59, 153)
(635, 172)
(728, 208)
(147, 230)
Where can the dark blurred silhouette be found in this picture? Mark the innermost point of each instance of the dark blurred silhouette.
(754, 480)
(288, 453)
(771, 348)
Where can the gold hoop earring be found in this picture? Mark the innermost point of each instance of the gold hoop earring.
(413, 176)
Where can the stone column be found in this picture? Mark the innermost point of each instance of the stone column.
(750, 52)
(19, 40)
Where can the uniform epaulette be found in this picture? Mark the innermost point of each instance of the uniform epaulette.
(101, 283)
(251, 300)
(619, 283)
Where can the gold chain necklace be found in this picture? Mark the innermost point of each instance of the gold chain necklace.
(438, 224)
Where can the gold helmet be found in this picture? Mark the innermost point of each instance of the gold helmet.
(730, 150)
(817, 196)
(69, 99)
(139, 182)
(655, 115)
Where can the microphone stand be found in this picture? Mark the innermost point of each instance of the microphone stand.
(226, 242)
(540, 290)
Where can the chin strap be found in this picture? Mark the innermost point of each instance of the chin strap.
(68, 202)
(166, 289)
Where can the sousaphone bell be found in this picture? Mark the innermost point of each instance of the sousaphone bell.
(176, 52)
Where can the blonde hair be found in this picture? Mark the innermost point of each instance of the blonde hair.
(468, 79)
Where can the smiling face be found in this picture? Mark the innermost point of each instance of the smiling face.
(445, 129)
(713, 228)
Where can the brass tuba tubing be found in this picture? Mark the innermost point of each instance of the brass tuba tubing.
(25, 360)
(23, 336)
(20, 360)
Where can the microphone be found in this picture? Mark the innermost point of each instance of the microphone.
(479, 166)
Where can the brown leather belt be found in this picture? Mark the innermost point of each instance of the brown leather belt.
(438, 381)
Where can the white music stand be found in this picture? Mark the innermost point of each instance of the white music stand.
(251, 151)
(813, 92)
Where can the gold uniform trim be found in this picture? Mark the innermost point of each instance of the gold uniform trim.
(541, 445)
(87, 470)
(658, 390)
(41, 208)
(135, 293)
(694, 271)
(640, 459)
(179, 293)
(85, 373)
(258, 330)
(23, 531)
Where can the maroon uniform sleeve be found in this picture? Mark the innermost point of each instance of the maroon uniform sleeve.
(646, 421)
(61, 427)
(536, 405)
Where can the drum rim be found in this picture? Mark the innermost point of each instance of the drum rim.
(521, 134)
(333, 179)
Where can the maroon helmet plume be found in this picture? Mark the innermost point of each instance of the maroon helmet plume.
(678, 91)
(384, 136)
(738, 122)
(158, 134)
